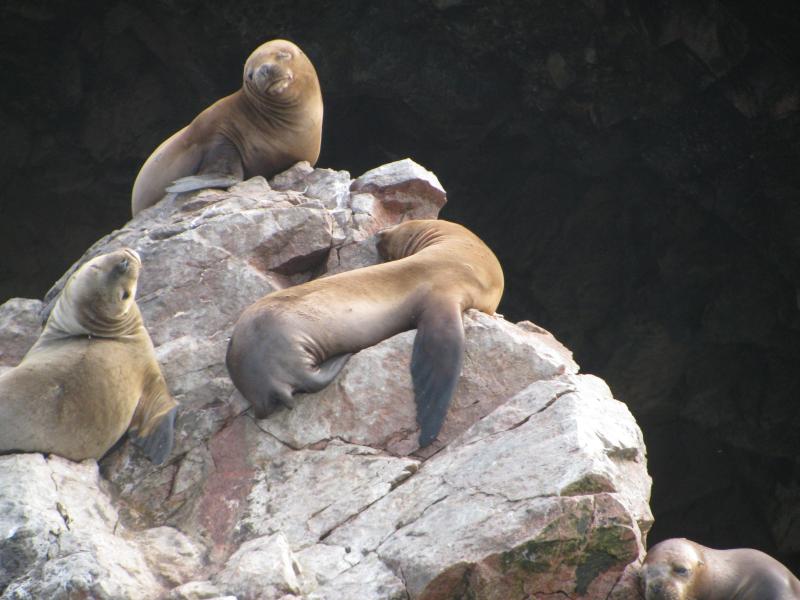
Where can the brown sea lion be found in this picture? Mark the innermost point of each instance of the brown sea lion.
(92, 373)
(299, 338)
(680, 569)
(272, 122)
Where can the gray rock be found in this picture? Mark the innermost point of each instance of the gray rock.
(263, 568)
(60, 537)
(20, 327)
(400, 186)
(537, 481)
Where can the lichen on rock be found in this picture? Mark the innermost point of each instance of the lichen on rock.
(537, 483)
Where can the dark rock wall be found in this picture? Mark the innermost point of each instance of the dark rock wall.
(635, 165)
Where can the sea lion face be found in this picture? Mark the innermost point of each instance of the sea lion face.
(102, 290)
(670, 570)
(277, 70)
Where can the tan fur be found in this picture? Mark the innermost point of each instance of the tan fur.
(680, 569)
(434, 266)
(271, 124)
(90, 372)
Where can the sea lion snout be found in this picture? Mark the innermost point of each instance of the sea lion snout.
(271, 77)
(128, 258)
(133, 255)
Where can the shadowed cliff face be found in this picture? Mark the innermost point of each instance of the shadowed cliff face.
(634, 165)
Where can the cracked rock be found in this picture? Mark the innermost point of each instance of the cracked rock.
(536, 485)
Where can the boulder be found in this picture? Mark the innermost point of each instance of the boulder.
(536, 485)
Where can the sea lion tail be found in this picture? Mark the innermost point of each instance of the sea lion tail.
(436, 362)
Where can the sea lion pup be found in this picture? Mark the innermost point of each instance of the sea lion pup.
(92, 373)
(680, 569)
(272, 122)
(299, 338)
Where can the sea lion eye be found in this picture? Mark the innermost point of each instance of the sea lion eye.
(284, 55)
(126, 294)
(680, 570)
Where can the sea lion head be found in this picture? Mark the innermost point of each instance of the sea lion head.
(98, 298)
(409, 237)
(670, 570)
(278, 71)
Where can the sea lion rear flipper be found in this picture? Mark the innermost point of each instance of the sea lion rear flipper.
(221, 167)
(158, 443)
(435, 367)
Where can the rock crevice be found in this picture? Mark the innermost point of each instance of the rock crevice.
(537, 480)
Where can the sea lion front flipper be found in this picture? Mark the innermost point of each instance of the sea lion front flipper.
(325, 373)
(201, 182)
(158, 443)
(221, 167)
(153, 421)
(435, 366)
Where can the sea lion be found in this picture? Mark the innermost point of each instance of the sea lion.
(680, 569)
(272, 122)
(298, 339)
(92, 373)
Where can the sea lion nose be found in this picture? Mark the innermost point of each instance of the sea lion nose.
(264, 76)
(655, 587)
(131, 256)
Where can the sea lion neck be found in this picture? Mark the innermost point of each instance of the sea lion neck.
(69, 319)
(272, 111)
(425, 238)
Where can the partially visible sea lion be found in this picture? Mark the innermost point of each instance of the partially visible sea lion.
(299, 338)
(680, 569)
(272, 122)
(92, 373)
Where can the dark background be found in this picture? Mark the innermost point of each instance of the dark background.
(635, 164)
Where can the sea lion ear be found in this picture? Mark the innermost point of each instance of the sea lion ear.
(436, 362)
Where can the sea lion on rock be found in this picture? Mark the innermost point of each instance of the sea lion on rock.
(299, 338)
(272, 122)
(680, 569)
(92, 373)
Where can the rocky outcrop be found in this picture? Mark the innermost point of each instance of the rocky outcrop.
(537, 484)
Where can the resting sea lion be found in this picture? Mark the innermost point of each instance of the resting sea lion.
(680, 569)
(299, 338)
(92, 373)
(272, 122)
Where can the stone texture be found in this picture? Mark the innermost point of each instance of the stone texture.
(60, 537)
(633, 164)
(537, 482)
(21, 326)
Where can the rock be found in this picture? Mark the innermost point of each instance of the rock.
(537, 481)
(500, 360)
(263, 568)
(60, 537)
(195, 590)
(401, 186)
(20, 327)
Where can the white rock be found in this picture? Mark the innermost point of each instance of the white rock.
(263, 568)
(537, 482)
